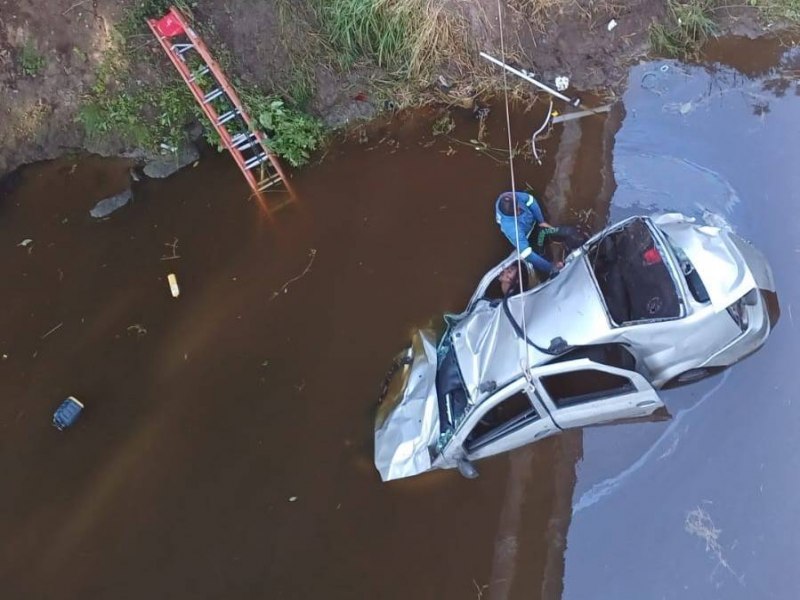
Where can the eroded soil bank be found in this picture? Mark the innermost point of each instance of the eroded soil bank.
(52, 56)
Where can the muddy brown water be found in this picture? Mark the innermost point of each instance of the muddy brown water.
(226, 447)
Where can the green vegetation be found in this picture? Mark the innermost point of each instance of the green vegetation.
(146, 116)
(380, 30)
(153, 115)
(31, 62)
(786, 10)
(443, 125)
(407, 38)
(688, 25)
(293, 135)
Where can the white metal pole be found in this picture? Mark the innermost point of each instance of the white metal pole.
(530, 79)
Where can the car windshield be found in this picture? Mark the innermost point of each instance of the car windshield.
(453, 399)
(690, 274)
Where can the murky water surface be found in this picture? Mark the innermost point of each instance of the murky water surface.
(700, 506)
(226, 448)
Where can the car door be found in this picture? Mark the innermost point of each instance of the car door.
(584, 392)
(510, 418)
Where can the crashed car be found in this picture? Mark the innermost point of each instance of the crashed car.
(645, 304)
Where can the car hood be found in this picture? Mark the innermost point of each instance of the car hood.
(407, 423)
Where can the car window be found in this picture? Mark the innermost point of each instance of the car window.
(507, 282)
(690, 274)
(507, 416)
(585, 385)
(635, 283)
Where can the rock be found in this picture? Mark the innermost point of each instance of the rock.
(166, 166)
(108, 205)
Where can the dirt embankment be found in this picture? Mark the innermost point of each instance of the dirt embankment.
(51, 54)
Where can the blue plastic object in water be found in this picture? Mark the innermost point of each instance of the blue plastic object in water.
(67, 413)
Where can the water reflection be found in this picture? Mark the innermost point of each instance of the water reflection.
(696, 508)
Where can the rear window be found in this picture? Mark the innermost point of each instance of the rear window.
(690, 274)
(586, 385)
(635, 283)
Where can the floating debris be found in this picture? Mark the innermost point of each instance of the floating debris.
(173, 285)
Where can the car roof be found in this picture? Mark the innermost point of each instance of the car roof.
(490, 349)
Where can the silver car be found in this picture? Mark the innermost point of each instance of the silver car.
(647, 303)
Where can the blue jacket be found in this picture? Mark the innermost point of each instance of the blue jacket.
(529, 215)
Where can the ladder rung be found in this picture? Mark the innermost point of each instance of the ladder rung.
(238, 139)
(180, 49)
(268, 182)
(212, 95)
(227, 116)
(246, 142)
(200, 73)
(256, 160)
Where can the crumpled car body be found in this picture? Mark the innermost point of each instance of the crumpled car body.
(646, 303)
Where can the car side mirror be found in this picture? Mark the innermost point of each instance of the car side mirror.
(466, 468)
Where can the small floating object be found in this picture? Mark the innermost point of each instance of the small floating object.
(173, 285)
(611, 25)
(67, 413)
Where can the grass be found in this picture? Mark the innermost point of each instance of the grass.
(688, 25)
(784, 10)
(143, 115)
(31, 62)
(405, 38)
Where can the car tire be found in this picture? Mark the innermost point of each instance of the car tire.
(692, 376)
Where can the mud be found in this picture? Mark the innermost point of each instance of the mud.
(272, 44)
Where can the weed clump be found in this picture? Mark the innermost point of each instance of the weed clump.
(145, 115)
(406, 38)
(31, 62)
(688, 25)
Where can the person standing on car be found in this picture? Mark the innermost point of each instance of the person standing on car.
(534, 231)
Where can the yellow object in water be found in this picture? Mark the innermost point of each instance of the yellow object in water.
(173, 285)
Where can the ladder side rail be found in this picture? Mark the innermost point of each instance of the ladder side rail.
(209, 111)
(204, 53)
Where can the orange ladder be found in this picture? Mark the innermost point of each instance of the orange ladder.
(220, 103)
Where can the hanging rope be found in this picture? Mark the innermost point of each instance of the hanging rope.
(523, 340)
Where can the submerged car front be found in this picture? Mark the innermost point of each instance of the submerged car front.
(407, 422)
